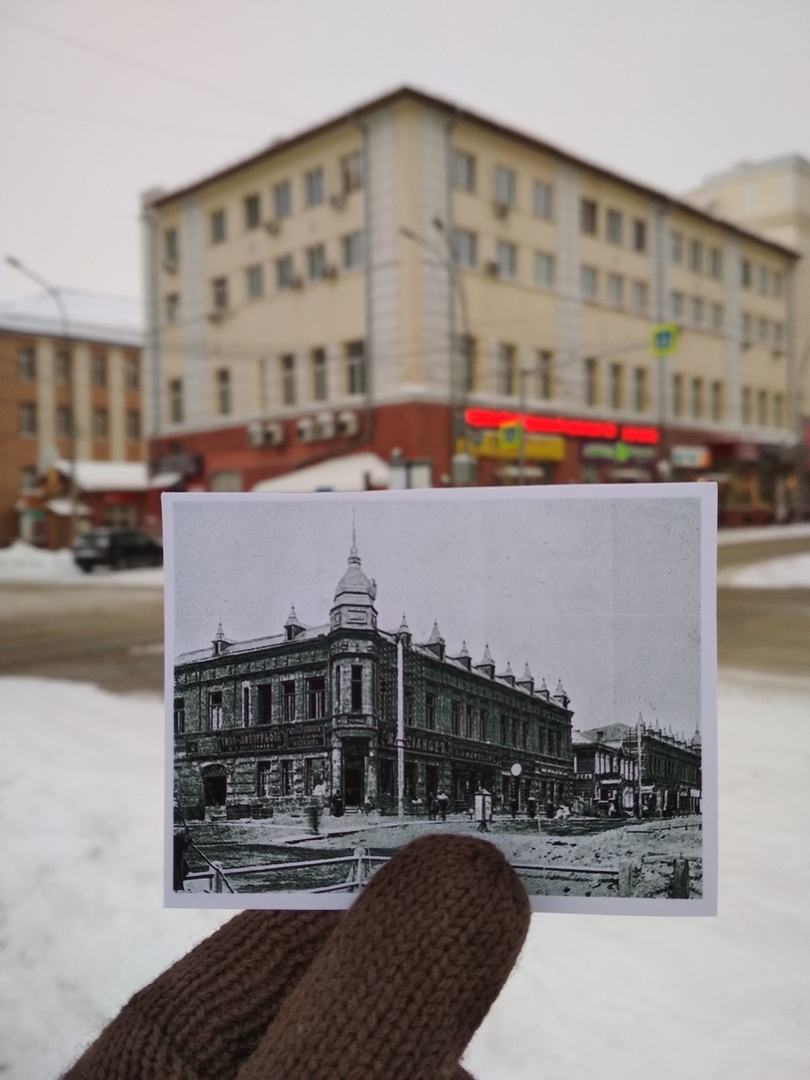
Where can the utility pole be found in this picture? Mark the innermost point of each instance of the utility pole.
(64, 323)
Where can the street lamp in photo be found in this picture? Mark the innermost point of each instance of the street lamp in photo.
(64, 324)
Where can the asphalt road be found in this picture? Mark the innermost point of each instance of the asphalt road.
(111, 635)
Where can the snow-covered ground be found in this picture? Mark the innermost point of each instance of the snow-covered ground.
(787, 572)
(21, 562)
(83, 925)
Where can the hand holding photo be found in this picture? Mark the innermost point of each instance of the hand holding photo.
(537, 667)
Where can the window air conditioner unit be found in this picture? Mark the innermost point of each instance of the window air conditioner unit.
(170, 266)
(274, 433)
(296, 283)
(338, 200)
(273, 227)
(325, 425)
(305, 429)
(348, 423)
(255, 433)
(501, 209)
(329, 272)
(492, 268)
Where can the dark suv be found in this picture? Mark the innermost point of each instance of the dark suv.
(116, 548)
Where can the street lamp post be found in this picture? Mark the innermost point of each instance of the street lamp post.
(64, 323)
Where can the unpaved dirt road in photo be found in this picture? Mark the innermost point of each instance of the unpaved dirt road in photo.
(112, 635)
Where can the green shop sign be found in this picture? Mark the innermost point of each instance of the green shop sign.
(618, 452)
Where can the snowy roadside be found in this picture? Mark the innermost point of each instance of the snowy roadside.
(21, 562)
(81, 796)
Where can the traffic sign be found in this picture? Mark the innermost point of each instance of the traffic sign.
(664, 339)
(509, 434)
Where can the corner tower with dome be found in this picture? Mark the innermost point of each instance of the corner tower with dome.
(310, 711)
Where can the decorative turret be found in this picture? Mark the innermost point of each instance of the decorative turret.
(464, 657)
(404, 633)
(435, 642)
(526, 682)
(543, 691)
(695, 741)
(508, 675)
(293, 625)
(354, 596)
(220, 643)
(487, 664)
(560, 695)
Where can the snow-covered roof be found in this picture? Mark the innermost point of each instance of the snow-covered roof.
(347, 473)
(108, 475)
(112, 320)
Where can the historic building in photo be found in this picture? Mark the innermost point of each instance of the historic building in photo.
(314, 710)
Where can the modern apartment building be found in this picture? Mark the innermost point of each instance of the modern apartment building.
(412, 276)
(70, 390)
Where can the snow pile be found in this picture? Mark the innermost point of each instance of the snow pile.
(788, 572)
(81, 781)
(24, 562)
(750, 533)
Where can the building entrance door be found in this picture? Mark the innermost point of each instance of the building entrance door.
(353, 780)
(215, 785)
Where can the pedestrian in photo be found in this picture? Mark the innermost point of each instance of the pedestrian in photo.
(442, 801)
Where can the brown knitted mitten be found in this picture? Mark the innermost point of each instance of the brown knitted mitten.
(393, 988)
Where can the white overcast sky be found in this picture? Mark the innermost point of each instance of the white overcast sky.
(101, 99)
(602, 590)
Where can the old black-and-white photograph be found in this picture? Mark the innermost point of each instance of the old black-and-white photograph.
(532, 666)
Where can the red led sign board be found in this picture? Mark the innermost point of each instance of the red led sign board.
(559, 425)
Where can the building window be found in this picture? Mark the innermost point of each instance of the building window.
(316, 262)
(253, 211)
(179, 715)
(697, 311)
(217, 226)
(63, 366)
(778, 284)
(640, 392)
(28, 479)
(171, 246)
(282, 200)
(762, 408)
(639, 235)
(615, 290)
(747, 411)
(745, 273)
(696, 256)
(616, 386)
(588, 282)
(352, 251)
(264, 703)
(469, 356)
(407, 701)
(215, 710)
(288, 701)
(430, 712)
(316, 698)
(465, 247)
(219, 291)
(506, 259)
(778, 410)
(505, 373)
(677, 395)
(264, 779)
(26, 365)
(717, 400)
(676, 305)
(173, 308)
(319, 387)
(639, 297)
(745, 327)
(313, 187)
(132, 373)
(356, 367)
(133, 425)
(545, 375)
(504, 186)
(351, 172)
(98, 370)
(100, 424)
(542, 201)
(483, 725)
(675, 247)
(543, 269)
(469, 723)
(717, 317)
(245, 705)
(762, 330)
(716, 263)
(64, 421)
(288, 388)
(588, 217)
(311, 777)
(591, 381)
(463, 171)
(697, 398)
(224, 402)
(455, 717)
(255, 282)
(285, 273)
(504, 732)
(286, 776)
(778, 335)
(357, 688)
(176, 403)
(762, 280)
(614, 227)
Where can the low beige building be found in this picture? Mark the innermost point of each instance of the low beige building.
(413, 277)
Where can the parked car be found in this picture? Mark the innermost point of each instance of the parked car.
(116, 548)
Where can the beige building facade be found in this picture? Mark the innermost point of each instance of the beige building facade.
(413, 277)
